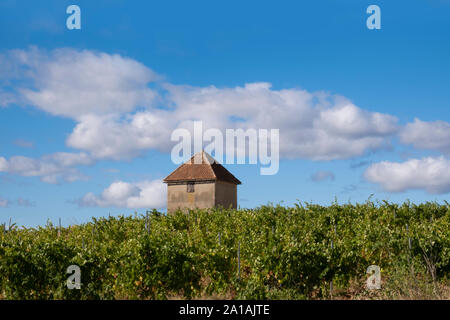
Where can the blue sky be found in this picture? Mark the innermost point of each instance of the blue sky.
(70, 152)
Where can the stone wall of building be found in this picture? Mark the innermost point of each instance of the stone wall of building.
(226, 194)
(202, 197)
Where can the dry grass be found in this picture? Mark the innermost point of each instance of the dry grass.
(404, 289)
(394, 288)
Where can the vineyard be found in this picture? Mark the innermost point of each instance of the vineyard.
(272, 252)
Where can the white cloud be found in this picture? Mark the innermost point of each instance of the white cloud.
(102, 93)
(322, 176)
(50, 168)
(145, 194)
(3, 164)
(348, 120)
(122, 138)
(6, 98)
(315, 126)
(4, 203)
(429, 174)
(72, 83)
(427, 135)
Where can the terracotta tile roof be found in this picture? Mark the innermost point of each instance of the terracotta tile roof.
(201, 167)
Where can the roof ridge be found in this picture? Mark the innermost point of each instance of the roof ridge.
(207, 169)
(205, 157)
(211, 169)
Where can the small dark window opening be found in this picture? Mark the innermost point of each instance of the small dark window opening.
(190, 187)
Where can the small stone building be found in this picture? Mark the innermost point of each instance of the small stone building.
(201, 183)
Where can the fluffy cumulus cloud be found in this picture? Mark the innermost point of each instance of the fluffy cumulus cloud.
(51, 168)
(430, 174)
(114, 137)
(315, 126)
(72, 83)
(322, 176)
(145, 194)
(102, 92)
(433, 135)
